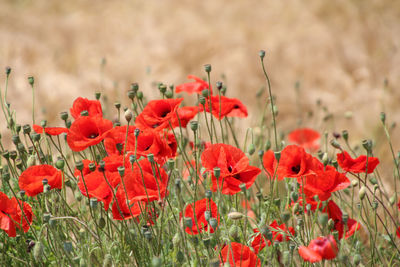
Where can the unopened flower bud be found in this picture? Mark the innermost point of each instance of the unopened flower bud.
(383, 117)
(139, 95)
(135, 87)
(392, 199)
(325, 159)
(60, 163)
(205, 93)
(169, 94)
(335, 144)
(26, 129)
(207, 68)
(356, 259)
(234, 231)
(38, 251)
(362, 192)
(207, 215)
(251, 149)
(234, 215)
(162, 88)
(93, 203)
(261, 54)
(131, 94)
(8, 71)
(101, 223)
(213, 223)
(323, 219)
(171, 164)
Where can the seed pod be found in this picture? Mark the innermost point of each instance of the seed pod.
(235, 215)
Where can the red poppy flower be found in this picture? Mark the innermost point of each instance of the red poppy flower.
(193, 87)
(144, 182)
(230, 107)
(336, 215)
(325, 182)
(234, 168)
(93, 107)
(114, 140)
(306, 138)
(239, 255)
(185, 114)
(11, 216)
(294, 163)
(319, 249)
(162, 145)
(357, 165)
(121, 211)
(398, 232)
(31, 180)
(49, 130)
(159, 114)
(97, 184)
(87, 131)
(258, 242)
(200, 207)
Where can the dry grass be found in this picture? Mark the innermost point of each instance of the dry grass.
(340, 51)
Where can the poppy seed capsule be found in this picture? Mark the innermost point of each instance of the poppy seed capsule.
(367, 144)
(188, 222)
(150, 157)
(131, 94)
(261, 54)
(202, 100)
(46, 188)
(213, 223)
(205, 93)
(8, 71)
(121, 170)
(31, 80)
(169, 94)
(93, 203)
(208, 194)
(251, 149)
(26, 129)
(128, 115)
(60, 163)
(79, 165)
(139, 95)
(217, 172)
(207, 68)
(194, 125)
(64, 115)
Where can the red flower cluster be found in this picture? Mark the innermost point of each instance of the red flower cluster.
(258, 242)
(193, 87)
(200, 222)
(320, 248)
(239, 255)
(357, 165)
(31, 180)
(12, 217)
(234, 168)
(93, 107)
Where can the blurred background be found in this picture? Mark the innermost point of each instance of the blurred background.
(341, 54)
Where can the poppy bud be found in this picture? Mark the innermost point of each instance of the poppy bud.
(134, 87)
(213, 223)
(234, 215)
(234, 231)
(217, 172)
(169, 94)
(267, 145)
(194, 125)
(323, 219)
(150, 157)
(383, 117)
(354, 183)
(93, 203)
(205, 93)
(251, 149)
(202, 100)
(373, 180)
(79, 165)
(131, 94)
(207, 68)
(97, 95)
(8, 71)
(345, 135)
(219, 85)
(356, 259)
(121, 170)
(139, 95)
(102, 223)
(60, 164)
(325, 159)
(15, 139)
(31, 80)
(261, 54)
(362, 192)
(208, 194)
(26, 129)
(128, 115)
(374, 205)
(392, 199)
(335, 144)
(38, 251)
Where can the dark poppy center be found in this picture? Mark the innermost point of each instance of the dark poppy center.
(236, 176)
(93, 135)
(296, 169)
(155, 125)
(235, 106)
(230, 168)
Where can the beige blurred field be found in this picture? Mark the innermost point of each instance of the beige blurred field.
(340, 52)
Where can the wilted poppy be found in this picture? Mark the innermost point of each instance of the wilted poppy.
(357, 165)
(12, 217)
(193, 87)
(234, 168)
(31, 180)
(239, 255)
(200, 207)
(93, 107)
(159, 114)
(49, 130)
(87, 131)
(306, 138)
(319, 249)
